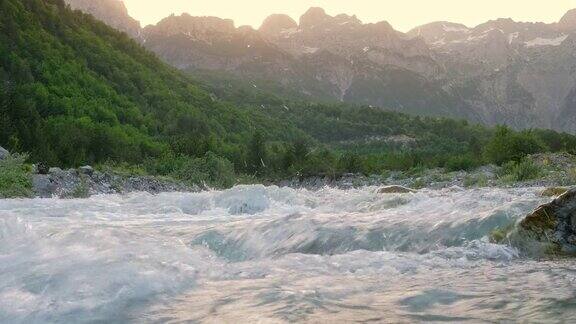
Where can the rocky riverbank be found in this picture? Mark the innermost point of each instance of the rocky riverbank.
(553, 170)
(546, 170)
(85, 181)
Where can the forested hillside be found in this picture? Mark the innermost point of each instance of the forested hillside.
(75, 91)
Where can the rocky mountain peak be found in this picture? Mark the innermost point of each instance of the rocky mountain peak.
(382, 27)
(313, 17)
(275, 24)
(344, 19)
(112, 12)
(500, 24)
(189, 25)
(568, 21)
(115, 6)
(439, 31)
(316, 17)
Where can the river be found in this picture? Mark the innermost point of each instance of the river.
(256, 254)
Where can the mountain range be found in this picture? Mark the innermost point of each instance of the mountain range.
(500, 72)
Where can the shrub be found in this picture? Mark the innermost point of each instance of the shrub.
(462, 163)
(165, 165)
(350, 163)
(400, 161)
(82, 190)
(15, 177)
(210, 170)
(417, 171)
(480, 180)
(321, 163)
(257, 156)
(507, 145)
(419, 184)
(519, 171)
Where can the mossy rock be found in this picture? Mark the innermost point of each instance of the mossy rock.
(552, 224)
(554, 192)
(541, 222)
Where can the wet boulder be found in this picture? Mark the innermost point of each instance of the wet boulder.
(553, 225)
(3, 153)
(395, 190)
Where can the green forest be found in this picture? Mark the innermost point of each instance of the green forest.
(74, 91)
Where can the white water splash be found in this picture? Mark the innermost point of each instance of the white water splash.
(271, 254)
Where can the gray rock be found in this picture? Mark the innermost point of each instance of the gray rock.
(85, 181)
(43, 187)
(53, 171)
(86, 170)
(395, 190)
(3, 153)
(112, 12)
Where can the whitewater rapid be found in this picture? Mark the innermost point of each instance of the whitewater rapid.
(274, 255)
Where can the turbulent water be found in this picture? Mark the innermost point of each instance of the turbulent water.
(257, 254)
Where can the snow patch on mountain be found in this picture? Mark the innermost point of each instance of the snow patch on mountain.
(512, 37)
(310, 50)
(538, 42)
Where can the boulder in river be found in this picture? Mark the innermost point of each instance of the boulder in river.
(3, 153)
(395, 190)
(554, 224)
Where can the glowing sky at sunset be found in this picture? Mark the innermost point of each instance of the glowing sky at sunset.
(402, 14)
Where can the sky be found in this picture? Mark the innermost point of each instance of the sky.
(402, 14)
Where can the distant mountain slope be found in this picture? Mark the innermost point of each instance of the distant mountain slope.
(500, 72)
(113, 12)
(519, 73)
(329, 58)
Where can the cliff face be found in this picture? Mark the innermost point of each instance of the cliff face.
(337, 58)
(112, 12)
(510, 72)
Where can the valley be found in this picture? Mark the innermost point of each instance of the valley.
(500, 72)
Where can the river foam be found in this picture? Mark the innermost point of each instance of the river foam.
(269, 254)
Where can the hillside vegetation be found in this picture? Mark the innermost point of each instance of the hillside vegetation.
(75, 91)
